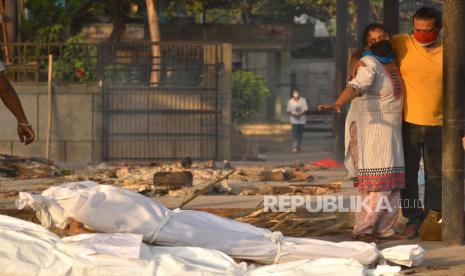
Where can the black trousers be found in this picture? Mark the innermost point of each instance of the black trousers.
(427, 141)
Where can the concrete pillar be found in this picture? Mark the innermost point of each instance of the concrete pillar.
(284, 85)
(271, 79)
(341, 73)
(225, 90)
(391, 15)
(453, 128)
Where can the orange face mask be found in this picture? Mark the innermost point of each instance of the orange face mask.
(425, 38)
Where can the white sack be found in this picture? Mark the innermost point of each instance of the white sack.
(24, 246)
(102, 208)
(239, 240)
(318, 267)
(406, 255)
(303, 248)
(111, 209)
(29, 249)
(384, 270)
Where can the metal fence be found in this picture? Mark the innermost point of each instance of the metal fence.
(163, 106)
(73, 62)
(158, 101)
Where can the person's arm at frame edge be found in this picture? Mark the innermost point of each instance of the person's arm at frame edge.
(10, 99)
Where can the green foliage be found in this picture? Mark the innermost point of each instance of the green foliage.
(191, 7)
(42, 16)
(251, 11)
(78, 63)
(249, 91)
(50, 34)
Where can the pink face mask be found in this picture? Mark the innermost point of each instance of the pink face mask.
(425, 39)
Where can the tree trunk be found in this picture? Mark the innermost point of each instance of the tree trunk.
(152, 18)
(11, 14)
(118, 21)
(391, 15)
(341, 72)
(6, 48)
(454, 121)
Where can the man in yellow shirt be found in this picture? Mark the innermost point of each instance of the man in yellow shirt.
(420, 58)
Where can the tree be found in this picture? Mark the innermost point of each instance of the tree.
(249, 91)
(152, 17)
(117, 17)
(43, 18)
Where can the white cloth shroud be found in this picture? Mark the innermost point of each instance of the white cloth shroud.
(318, 267)
(29, 249)
(406, 255)
(110, 209)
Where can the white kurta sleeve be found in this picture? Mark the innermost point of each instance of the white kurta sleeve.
(365, 76)
(2, 67)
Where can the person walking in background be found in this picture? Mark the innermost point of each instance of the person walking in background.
(373, 137)
(296, 108)
(11, 101)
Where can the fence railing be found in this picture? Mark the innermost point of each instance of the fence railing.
(160, 101)
(28, 62)
(174, 63)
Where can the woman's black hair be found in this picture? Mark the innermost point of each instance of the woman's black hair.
(372, 27)
(429, 13)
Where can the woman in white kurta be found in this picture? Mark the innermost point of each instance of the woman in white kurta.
(373, 139)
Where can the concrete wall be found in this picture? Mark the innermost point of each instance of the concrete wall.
(241, 36)
(315, 80)
(314, 77)
(75, 127)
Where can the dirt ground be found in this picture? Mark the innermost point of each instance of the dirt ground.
(441, 259)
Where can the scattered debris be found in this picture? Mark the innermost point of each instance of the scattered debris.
(203, 190)
(162, 179)
(316, 189)
(186, 163)
(277, 175)
(293, 225)
(292, 189)
(327, 163)
(173, 180)
(226, 165)
(63, 172)
(25, 167)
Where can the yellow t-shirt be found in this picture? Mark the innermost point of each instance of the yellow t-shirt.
(422, 74)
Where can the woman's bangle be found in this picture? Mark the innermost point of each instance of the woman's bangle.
(23, 124)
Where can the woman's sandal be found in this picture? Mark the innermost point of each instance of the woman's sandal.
(365, 237)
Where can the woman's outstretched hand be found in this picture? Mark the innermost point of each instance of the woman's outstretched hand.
(334, 107)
